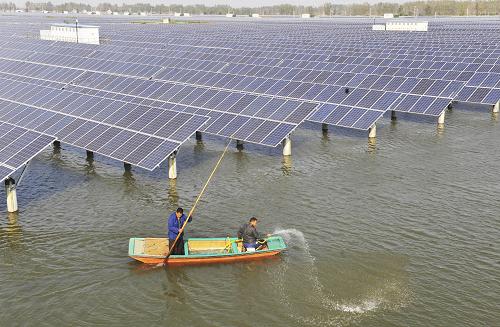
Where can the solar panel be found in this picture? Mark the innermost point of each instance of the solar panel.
(18, 146)
(262, 77)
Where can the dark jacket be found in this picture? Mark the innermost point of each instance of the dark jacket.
(249, 234)
(174, 225)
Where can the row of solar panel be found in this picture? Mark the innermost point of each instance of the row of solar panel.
(236, 55)
(318, 90)
(404, 68)
(376, 99)
(166, 124)
(261, 107)
(124, 145)
(149, 120)
(166, 59)
(358, 60)
(306, 51)
(238, 126)
(432, 90)
(411, 86)
(260, 52)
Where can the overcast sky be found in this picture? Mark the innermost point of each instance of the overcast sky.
(232, 3)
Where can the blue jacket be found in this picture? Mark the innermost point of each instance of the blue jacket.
(175, 224)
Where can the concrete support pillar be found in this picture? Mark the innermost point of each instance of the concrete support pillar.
(287, 146)
(441, 119)
(127, 166)
(324, 128)
(239, 145)
(172, 165)
(10, 191)
(372, 132)
(198, 136)
(393, 115)
(90, 155)
(496, 107)
(56, 144)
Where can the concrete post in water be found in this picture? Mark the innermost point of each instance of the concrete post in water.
(496, 107)
(372, 132)
(10, 191)
(90, 155)
(198, 136)
(393, 115)
(441, 119)
(287, 146)
(239, 145)
(324, 128)
(172, 165)
(56, 144)
(127, 166)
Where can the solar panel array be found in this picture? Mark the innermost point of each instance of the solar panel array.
(149, 87)
(17, 146)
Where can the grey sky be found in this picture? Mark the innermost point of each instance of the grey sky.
(233, 3)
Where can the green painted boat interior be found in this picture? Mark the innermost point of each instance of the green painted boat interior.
(198, 247)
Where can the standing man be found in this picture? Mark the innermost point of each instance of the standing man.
(175, 223)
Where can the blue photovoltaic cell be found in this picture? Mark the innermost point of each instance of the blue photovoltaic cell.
(5, 172)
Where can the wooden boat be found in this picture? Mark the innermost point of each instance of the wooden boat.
(200, 250)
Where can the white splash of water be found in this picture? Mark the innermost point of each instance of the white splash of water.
(296, 237)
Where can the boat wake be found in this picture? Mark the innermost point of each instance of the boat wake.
(322, 306)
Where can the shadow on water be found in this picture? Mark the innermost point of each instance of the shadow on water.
(11, 235)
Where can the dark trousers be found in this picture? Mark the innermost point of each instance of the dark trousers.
(179, 246)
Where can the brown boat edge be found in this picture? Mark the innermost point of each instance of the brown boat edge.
(200, 250)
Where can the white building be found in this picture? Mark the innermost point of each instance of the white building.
(402, 26)
(71, 33)
(407, 26)
(306, 15)
(388, 15)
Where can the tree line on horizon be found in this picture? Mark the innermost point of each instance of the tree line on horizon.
(421, 8)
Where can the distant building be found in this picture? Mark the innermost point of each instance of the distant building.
(255, 15)
(71, 33)
(388, 15)
(230, 15)
(406, 26)
(306, 16)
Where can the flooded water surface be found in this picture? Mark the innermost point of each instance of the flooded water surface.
(404, 232)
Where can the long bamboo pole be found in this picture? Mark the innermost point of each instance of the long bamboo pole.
(171, 247)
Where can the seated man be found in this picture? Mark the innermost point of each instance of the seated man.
(248, 232)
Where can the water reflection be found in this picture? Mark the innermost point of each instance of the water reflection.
(242, 161)
(494, 116)
(199, 146)
(12, 234)
(286, 167)
(172, 289)
(325, 137)
(372, 145)
(440, 129)
(89, 166)
(129, 180)
(173, 196)
(56, 152)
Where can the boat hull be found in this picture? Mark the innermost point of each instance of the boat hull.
(200, 251)
(208, 260)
